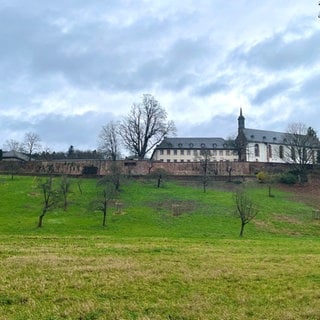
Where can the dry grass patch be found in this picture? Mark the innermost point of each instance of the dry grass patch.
(100, 278)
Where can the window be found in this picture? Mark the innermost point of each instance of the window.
(188, 152)
(168, 152)
(175, 152)
(269, 151)
(161, 152)
(214, 152)
(175, 160)
(281, 152)
(182, 152)
(220, 152)
(181, 160)
(256, 150)
(195, 152)
(168, 160)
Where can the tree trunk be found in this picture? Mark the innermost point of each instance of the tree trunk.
(242, 229)
(79, 187)
(104, 218)
(159, 181)
(41, 219)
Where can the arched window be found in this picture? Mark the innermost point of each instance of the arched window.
(281, 152)
(256, 150)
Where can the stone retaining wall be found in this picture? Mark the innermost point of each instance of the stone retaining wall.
(142, 167)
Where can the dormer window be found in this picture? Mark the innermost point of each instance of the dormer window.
(274, 139)
(264, 137)
(252, 136)
(179, 145)
(203, 145)
(191, 145)
(214, 145)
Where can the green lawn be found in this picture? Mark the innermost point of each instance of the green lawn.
(168, 253)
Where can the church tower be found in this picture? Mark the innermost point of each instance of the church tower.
(241, 121)
(241, 140)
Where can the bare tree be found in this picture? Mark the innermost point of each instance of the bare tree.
(245, 208)
(302, 146)
(13, 145)
(65, 189)
(114, 176)
(49, 197)
(105, 194)
(229, 169)
(145, 126)
(109, 141)
(31, 143)
(205, 159)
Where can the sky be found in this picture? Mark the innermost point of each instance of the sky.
(68, 67)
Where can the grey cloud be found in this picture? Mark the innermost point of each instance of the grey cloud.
(223, 126)
(81, 130)
(221, 84)
(97, 53)
(271, 91)
(311, 87)
(179, 66)
(276, 53)
(58, 131)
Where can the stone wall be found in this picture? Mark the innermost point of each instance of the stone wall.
(136, 168)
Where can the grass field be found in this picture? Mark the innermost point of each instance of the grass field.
(168, 253)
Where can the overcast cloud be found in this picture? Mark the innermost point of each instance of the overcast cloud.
(69, 67)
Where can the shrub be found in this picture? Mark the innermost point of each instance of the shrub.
(288, 178)
(262, 176)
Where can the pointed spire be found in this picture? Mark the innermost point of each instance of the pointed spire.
(241, 121)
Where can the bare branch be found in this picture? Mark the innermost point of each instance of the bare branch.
(145, 126)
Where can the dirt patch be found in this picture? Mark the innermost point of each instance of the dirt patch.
(176, 207)
(266, 226)
(287, 219)
(308, 193)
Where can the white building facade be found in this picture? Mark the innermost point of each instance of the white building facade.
(194, 149)
(275, 147)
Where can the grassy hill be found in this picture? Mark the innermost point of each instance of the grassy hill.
(167, 253)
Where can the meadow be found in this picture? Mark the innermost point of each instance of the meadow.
(166, 253)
